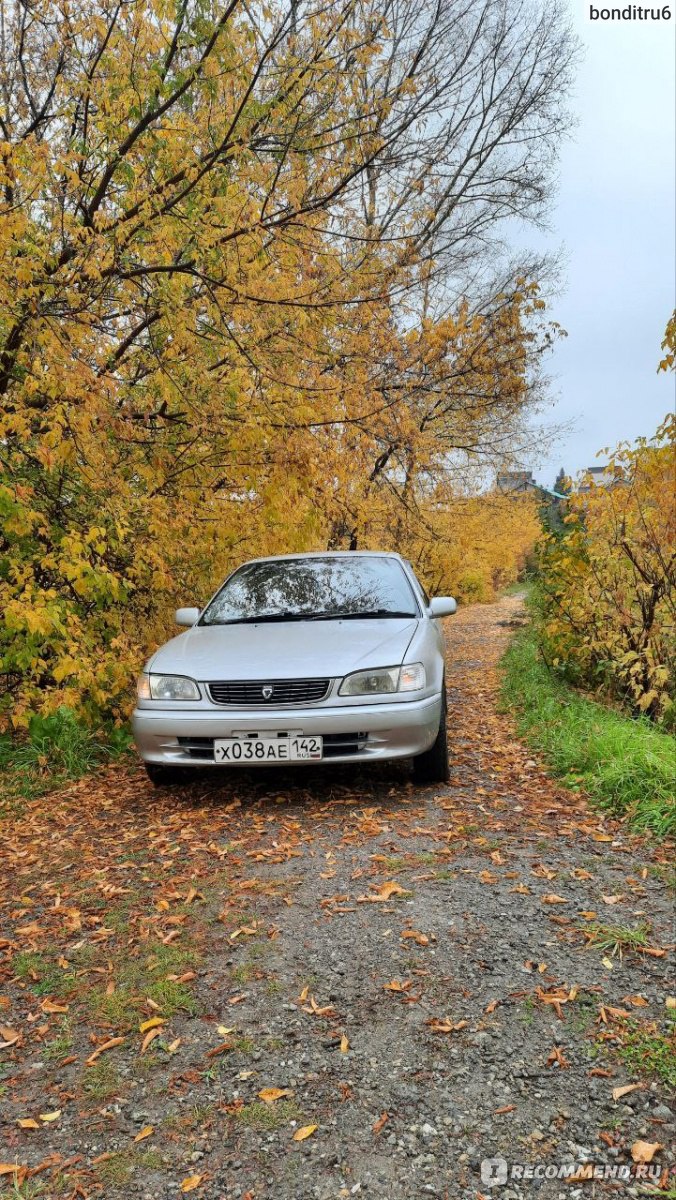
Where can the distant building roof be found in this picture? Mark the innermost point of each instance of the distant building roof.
(603, 476)
(524, 481)
(515, 481)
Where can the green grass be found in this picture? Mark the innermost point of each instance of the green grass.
(618, 939)
(101, 1080)
(645, 1048)
(137, 980)
(54, 749)
(60, 1046)
(123, 1165)
(42, 975)
(626, 765)
(261, 1116)
(516, 589)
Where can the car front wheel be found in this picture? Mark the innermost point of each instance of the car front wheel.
(433, 766)
(163, 776)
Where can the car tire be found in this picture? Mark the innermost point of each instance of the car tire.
(163, 776)
(433, 766)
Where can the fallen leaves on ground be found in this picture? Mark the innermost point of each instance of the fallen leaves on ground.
(132, 913)
(192, 1182)
(108, 1045)
(270, 1094)
(625, 1089)
(304, 1132)
(384, 892)
(378, 1125)
(445, 1025)
(644, 1152)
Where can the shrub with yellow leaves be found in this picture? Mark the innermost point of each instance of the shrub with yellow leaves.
(608, 583)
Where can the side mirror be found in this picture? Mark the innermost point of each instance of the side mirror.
(442, 606)
(187, 616)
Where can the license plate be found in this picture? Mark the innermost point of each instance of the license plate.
(267, 749)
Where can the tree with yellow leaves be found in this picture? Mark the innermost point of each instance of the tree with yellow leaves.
(251, 294)
(609, 582)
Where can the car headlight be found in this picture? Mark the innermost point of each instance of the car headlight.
(410, 678)
(167, 687)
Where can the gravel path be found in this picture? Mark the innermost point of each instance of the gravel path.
(413, 968)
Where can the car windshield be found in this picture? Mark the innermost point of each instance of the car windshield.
(313, 589)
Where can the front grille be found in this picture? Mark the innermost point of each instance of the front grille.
(268, 692)
(336, 745)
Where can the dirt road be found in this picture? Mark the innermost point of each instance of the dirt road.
(426, 976)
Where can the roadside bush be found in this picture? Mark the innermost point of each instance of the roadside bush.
(607, 581)
(53, 749)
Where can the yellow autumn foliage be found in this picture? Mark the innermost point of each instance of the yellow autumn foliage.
(608, 583)
(226, 235)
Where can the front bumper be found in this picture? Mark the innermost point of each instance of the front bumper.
(354, 733)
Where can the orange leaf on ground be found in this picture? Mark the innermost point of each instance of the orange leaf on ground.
(421, 938)
(49, 1006)
(384, 892)
(619, 1092)
(191, 1183)
(552, 898)
(27, 1123)
(115, 1041)
(144, 1133)
(378, 1125)
(644, 1152)
(556, 1058)
(269, 1095)
(444, 1025)
(219, 1049)
(150, 1037)
(304, 1132)
(488, 877)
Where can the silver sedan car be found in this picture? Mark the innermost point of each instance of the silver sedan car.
(304, 658)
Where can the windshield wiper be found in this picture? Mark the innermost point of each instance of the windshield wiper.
(260, 620)
(339, 615)
(329, 615)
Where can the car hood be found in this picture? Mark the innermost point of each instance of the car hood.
(281, 650)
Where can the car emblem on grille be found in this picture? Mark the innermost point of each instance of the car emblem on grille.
(267, 691)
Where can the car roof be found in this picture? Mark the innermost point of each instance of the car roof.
(330, 554)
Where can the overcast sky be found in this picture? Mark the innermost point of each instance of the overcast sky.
(615, 218)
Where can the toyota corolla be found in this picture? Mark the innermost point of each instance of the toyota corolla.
(305, 658)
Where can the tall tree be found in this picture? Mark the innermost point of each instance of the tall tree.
(240, 243)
